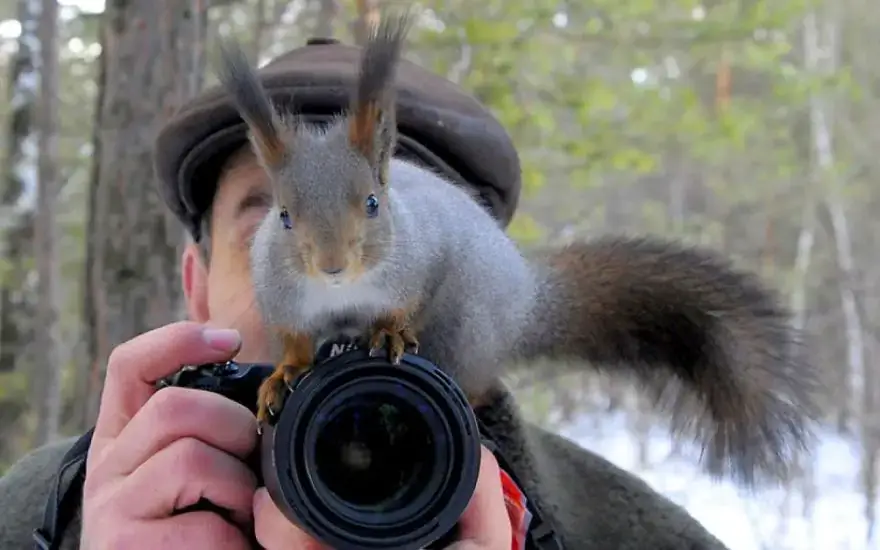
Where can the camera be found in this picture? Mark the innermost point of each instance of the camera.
(364, 454)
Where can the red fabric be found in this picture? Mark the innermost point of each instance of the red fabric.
(519, 514)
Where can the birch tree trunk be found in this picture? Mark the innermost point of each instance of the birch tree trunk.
(47, 338)
(820, 159)
(871, 445)
(17, 192)
(859, 405)
(822, 114)
(153, 62)
(824, 53)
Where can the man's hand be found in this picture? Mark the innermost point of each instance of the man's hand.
(485, 524)
(154, 453)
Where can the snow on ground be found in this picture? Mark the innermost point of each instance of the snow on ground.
(743, 521)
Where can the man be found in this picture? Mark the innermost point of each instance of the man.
(156, 453)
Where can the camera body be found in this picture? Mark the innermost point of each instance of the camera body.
(364, 454)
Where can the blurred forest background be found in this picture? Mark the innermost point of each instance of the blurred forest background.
(747, 125)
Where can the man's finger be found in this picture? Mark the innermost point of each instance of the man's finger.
(194, 531)
(485, 523)
(135, 366)
(181, 474)
(176, 413)
(276, 532)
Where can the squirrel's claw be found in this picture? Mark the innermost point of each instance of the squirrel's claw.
(298, 355)
(396, 341)
(272, 391)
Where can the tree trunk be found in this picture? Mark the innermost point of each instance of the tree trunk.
(48, 338)
(153, 62)
(821, 158)
(327, 11)
(259, 31)
(88, 379)
(823, 54)
(17, 191)
(871, 447)
(367, 18)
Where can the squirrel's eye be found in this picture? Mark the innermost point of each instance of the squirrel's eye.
(372, 206)
(285, 219)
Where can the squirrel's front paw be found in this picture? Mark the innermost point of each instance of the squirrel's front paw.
(272, 390)
(392, 334)
(297, 358)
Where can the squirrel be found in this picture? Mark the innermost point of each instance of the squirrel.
(358, 237)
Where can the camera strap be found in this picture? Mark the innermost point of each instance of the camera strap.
(530, 530)
(65, 497)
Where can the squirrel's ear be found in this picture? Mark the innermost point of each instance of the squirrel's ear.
(372, 127)
(386, 140)
(372, 132)
(253, 104)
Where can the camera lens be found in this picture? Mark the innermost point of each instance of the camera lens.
(375, 453)
(370, 455)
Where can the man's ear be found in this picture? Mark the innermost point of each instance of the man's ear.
(195, 284)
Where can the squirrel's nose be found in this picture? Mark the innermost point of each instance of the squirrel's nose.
(332, 270)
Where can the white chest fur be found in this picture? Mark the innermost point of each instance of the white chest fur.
(366, 296)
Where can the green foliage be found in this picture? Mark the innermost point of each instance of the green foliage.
(525, 229)
(613, 107)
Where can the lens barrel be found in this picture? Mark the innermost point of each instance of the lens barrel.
(366, 454)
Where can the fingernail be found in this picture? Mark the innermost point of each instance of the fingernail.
(222, 339)
(261, 496)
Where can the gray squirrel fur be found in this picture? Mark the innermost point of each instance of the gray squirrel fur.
(708, 339)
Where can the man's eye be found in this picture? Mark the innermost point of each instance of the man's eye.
(254, 200)
(251, 210)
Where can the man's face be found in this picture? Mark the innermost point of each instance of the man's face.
(221, 294)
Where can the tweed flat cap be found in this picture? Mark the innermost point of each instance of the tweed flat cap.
(439, 125)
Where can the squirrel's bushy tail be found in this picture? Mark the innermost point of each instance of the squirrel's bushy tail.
(712, 341)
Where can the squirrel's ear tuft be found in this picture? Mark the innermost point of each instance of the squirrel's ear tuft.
(373, 125)
(268, 146)
(253, 105)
